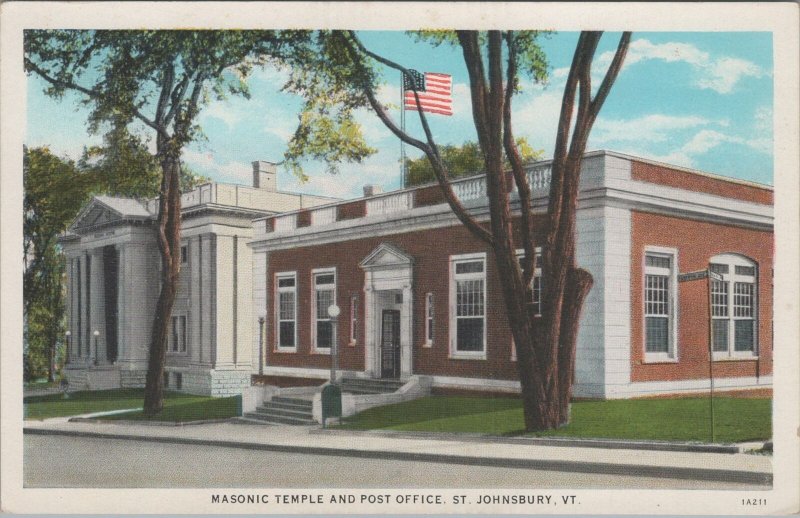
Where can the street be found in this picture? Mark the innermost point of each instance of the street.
(63, 461)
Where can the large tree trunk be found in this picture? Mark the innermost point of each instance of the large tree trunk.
(169, 235)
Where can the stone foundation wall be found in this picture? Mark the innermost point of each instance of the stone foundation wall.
(132, 379)
(215, 383)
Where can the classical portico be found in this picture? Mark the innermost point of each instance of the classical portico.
(388, 276)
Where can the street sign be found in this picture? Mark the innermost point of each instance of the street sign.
(699, 274)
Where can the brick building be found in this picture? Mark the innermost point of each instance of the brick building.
(419, 295)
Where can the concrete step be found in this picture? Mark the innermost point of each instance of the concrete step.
(291, 401)
(277, 419)
(370, 386)
(267, 409)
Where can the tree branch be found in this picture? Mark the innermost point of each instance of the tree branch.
(611, 74)
(94, 94)
(517, 169)
(429, 148)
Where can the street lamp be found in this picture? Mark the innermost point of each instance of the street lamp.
(333, 313)
(68, 334)
(261, 357)
(95, 334)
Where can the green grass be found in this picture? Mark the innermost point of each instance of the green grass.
(177, 406)
(187, 408)
(678, 419)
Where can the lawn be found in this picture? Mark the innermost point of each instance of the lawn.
(676, 419)
(177, 406)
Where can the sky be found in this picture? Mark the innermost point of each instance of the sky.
(702, 100)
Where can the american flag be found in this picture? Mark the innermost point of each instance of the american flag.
(435, 92)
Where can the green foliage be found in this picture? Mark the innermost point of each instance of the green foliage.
(463, 160)
(86, 402)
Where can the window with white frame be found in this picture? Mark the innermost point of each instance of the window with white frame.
(429, 319)
(733, 306)
(659, 306)
(468, 312)
(536, 281)
(324, 296)
(286, 309)
(178, 338)
(353, 318)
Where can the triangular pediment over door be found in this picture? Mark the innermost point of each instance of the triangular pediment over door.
(386, 256)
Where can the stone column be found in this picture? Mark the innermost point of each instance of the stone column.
(369, 327)
(84, 335)
(406, 332)
(195, 330)
(225, 288)
(97, 308)
(122, 313)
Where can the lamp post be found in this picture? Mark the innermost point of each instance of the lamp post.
(96, 334)
(261, 355)
(68, 335)
(333, 313)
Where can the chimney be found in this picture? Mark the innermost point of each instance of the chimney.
(372, 190)
(265, 175)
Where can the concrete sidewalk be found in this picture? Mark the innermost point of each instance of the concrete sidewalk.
(737, 467)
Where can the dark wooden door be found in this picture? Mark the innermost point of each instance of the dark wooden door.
(390, 344)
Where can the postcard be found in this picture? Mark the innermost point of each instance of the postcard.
(399, 258)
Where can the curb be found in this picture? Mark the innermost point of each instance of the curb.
(619, 444)
(744, 477)
(94, 420)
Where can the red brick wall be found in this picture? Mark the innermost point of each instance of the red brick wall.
(699, 183)
(352, 210)
(696, 243)
(431, 250)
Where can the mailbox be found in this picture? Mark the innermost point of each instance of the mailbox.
(331, 402)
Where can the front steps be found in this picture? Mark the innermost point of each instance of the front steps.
(361, 386)
(281, 410)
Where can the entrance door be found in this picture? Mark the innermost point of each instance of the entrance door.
(390, 343)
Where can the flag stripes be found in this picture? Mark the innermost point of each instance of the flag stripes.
(435, 96)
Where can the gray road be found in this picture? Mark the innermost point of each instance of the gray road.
(59, 461)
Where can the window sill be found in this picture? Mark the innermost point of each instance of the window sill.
(735, 358)
(321, 352)
(658, 360)
(284, 349)
(427, 345)
(461, 356)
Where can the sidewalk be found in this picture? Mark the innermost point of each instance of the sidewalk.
(737, 467)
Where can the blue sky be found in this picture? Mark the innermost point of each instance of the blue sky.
(699, 100)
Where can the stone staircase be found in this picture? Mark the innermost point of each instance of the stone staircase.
(281, 410)
(370, 386)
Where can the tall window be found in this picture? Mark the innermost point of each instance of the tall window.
(468, 292)
(324, 296)
(353, 319)
(429, 319)
(733, 306)
(286, 306)
(536, 282)
(178, 344)
(659, 283)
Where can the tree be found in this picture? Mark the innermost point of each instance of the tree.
(159, 80)
(545, 345)
(463, 160)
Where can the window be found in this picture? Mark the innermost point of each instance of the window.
(659, 306)
(733, 306)
(536, 282)
(468, 297)
(353, 319)
(429, 319)
(178, 341)
(286, 310)
(184, 254)
(324, 296)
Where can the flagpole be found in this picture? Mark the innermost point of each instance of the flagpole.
(403, 127)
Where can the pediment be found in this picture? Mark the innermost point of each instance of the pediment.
(94, 214)
(386, 256)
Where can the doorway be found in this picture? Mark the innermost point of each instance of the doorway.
(390, 344)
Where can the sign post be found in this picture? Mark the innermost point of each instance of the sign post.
(709, 276)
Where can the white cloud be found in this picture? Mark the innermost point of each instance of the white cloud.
(223, 111)
(720, 74)
(651, 128)
(232, 172)
(763, 119)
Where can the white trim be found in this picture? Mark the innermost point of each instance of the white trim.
(453, 328)
(701, 385)
(671, 355)
(277, 301)
(353, 318)
(314, 273)
(430, 315)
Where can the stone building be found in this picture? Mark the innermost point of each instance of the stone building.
(113, 266)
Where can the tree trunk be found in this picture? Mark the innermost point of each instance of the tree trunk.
(169, 235)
